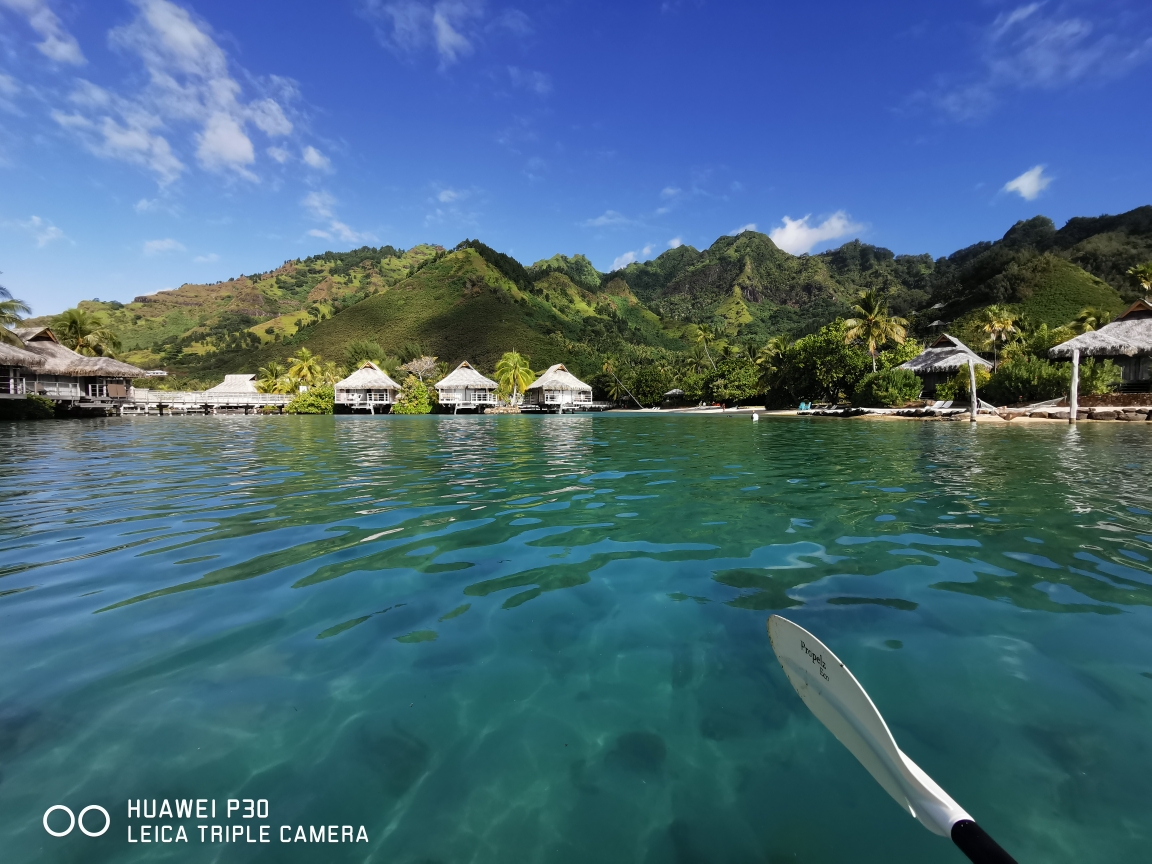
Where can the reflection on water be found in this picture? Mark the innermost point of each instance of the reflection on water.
(515, 638)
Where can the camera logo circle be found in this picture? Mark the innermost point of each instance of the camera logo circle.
(74, 820)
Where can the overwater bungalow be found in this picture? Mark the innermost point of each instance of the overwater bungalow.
(941, 360)
(464, 387)
(558, 389)
(15, 363)
(1127, 342)
(63, 375)
(235, 385)
(368, 388)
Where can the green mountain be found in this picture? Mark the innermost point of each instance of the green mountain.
(474, 302)
(746, 282)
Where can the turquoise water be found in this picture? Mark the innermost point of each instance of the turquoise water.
(516, 639)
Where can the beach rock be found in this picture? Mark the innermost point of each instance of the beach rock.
(1102, 415)
(1039, 415)
(1130, 415)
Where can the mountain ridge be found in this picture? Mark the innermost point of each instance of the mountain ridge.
(743, 285)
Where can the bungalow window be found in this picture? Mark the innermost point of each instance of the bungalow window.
(12, 384)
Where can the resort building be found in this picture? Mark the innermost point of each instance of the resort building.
(15, 365)
(368, 388)
(464, 387)
(238, 385)
(558, 389)
(941, 360)
(61, 374)
(1127, 342)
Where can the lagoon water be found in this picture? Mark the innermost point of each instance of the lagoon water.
(518, 639)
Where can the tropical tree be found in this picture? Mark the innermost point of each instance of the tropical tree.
(359, 350)
(513, 374)
(414, 398)
(11, 311)
(706, 336)
(998, 324)
(1090, 319)
(873, 325)
(1142, 275)
(421, 366)
(272, 378)
(331, 373)
(305, 368)
(85, 332)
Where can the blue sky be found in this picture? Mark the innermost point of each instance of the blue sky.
(149, 143)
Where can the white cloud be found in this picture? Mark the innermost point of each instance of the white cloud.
(1030, 48)
(1030, 184)
(647, 250)
(448, 195)
(669, 192)
(9, 86)
(528, 79)
(279, 154)
(623, 260)
(190, 100)
(607, 219)
(42, 230)
(206, 259)
(58, 44)
(799, 236)
(313, 158)
(223, 144)
(448, 26)
(322, 207)
(158, 247)
(675, 243)
(751, 226)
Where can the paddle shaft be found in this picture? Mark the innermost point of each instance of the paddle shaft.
(978, 846)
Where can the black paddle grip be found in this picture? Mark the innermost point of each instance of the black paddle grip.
(978, 846)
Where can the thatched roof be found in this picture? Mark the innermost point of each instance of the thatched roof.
(12, 355)
(1127, 336)
(235, 384)
(58, 360)
(465, 376)
(559, 378)
(946, 354)
(368, 377)
(30, 333)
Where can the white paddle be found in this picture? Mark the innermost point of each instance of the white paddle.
(840, 703)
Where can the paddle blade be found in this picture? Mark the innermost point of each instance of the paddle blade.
(839, 702)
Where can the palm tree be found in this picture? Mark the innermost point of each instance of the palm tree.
(305, 367)
(271, 378)
(10, 311)
(1090, 319)
(85, 332)
(873, 325)
(1142, 274)
(359, 350)
(706, 336)
(513, 374)
(331, 373)
(998, 323)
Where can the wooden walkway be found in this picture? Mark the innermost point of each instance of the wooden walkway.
(162, 402)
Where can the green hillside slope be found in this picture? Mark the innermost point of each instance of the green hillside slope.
(461, 307)
(475, 302)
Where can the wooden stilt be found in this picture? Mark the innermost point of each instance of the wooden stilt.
(972, 388)
(1073, 395)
